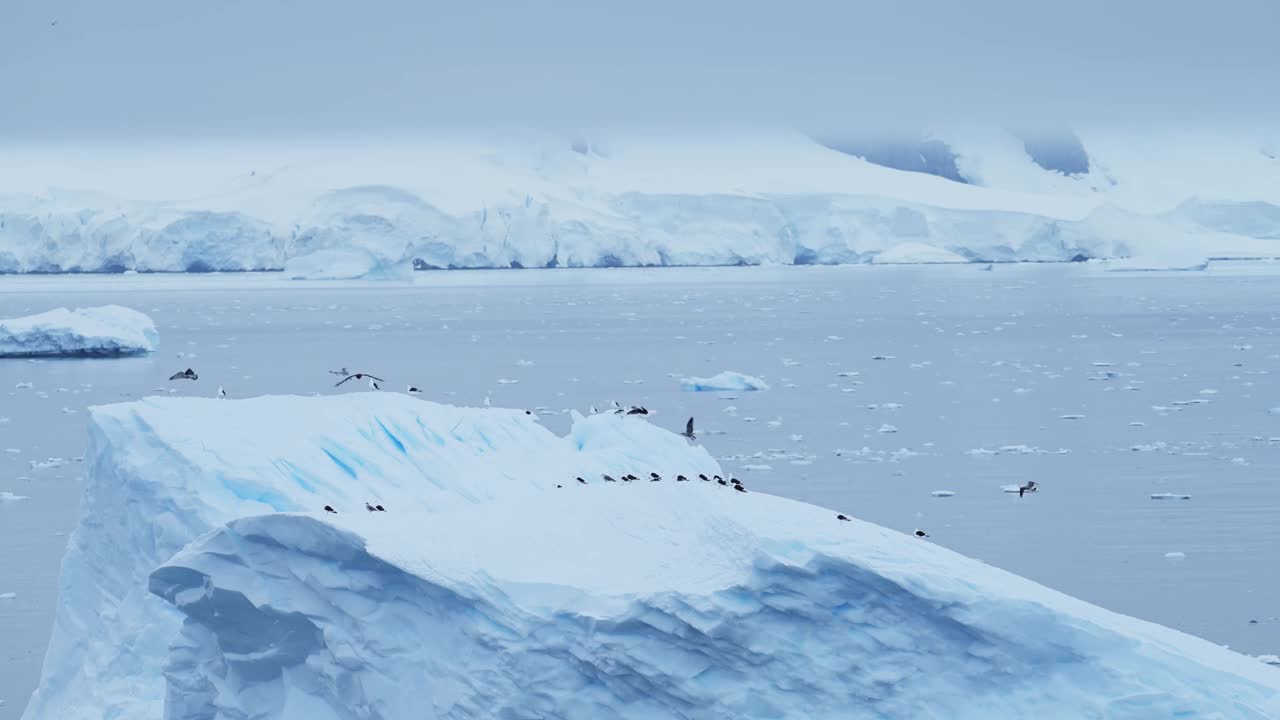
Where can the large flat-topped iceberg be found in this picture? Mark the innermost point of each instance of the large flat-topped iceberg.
(725, 380)
(206, 581)
(109, 330)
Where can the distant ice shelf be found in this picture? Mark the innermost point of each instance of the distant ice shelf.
(206, 580)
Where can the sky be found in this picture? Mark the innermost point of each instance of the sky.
(89, 68)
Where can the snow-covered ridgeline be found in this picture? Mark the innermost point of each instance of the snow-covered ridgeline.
(106, 331)
(485, 589)
(780, 199)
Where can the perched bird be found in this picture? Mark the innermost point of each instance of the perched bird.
(343, 372)
(187, 374)
(329, 508)
(584, 482)
(1030, 486)
(369, 507)
(688, 430)
(842, 517)
(608, 478)
(921, 534)
(222, 393)
(356, 376)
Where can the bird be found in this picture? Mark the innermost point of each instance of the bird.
(53, 24)
(721, 481)
(681, 478)
(329, 508)
(358, 376)
(688, 430)
(842, 517)
(629, 477)
(369, 507)
(379, 508)
(584, 482)
(373, 384)
(654, 477)
(703, 477)
(187, 374)
(921, 534)
(718, 479)
(222, 393)
(414, 391)
(343, 372)
(559, 486)
(739, 488)
(608, 478)
(637, 410)
(735, 481)
(1030, 486)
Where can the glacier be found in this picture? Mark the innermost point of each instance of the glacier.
(206, 581)
(537, 202)
(104, 331)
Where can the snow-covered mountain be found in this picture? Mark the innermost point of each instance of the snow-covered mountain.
(207, 581)
(378, 209)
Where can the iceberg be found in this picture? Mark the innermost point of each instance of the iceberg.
(347, 265)
(105, 331)
(724, 381)
(207, 581)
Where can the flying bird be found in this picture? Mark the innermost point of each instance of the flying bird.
(343, 372)
(688, 430)
(187, 374)
(1029, 487)
(357, 376)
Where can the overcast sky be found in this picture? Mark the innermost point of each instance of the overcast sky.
(155, 67)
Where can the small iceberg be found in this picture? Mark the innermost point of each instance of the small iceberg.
(1170, 496)
(727, 380)
(105, 331)
(943, 493)
(355, 264)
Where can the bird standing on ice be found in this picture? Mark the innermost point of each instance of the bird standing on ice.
(413, 390)
(222, 394)
(920, 533)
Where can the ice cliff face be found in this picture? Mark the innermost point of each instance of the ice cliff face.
(532, 204)
(105, 331)
(206, 582)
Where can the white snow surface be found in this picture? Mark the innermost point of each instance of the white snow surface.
(204, 570)
(107, 330)
(535, 201)
(727, 380)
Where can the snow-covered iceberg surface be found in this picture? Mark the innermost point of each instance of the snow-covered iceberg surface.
(105, 331)
(347, 265)
(205, 581)
(727, 380)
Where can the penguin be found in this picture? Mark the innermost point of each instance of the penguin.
(721, 481)
(735, 481)
(222, 394)
(654, 477)
(559, 486)
(842, 517)
(413, 390)
(637, 410)
(703, 477)
(739, 488)
(329, 509)
(608, 478)
(921, 534)
(379, 508)
(717, 478)
(681, 478)
(369, 507)
(581, 481)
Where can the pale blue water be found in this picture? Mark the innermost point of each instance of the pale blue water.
(976, 360)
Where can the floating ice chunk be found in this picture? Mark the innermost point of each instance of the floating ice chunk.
(727, 380)
(943, 493)
(1176, 555)
(8, 595)
(105, 331)
(1071, 417)
(1170, 496)
(7, 496)
(887, 428)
